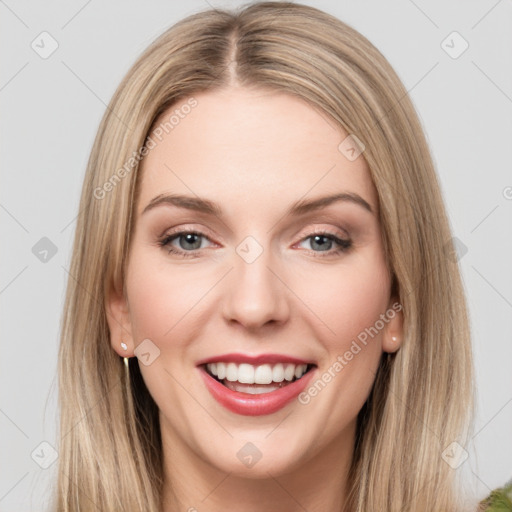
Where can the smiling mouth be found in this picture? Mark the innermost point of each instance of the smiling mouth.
(246, 378)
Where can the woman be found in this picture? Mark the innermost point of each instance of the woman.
(263, 242)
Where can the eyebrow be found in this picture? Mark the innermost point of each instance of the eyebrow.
(300, 207)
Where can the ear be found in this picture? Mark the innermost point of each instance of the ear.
(393, 332)
(118, 318)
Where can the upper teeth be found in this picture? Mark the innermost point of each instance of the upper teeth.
(263, 374)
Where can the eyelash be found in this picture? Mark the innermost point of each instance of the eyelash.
(343, 244)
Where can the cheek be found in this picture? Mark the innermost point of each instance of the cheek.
(164, 298)
(348, 298)
(350, 304)
(151, 300)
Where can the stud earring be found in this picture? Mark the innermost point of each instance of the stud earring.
(394, 339)
(125, 359)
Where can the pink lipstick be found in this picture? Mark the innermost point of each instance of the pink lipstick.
(242, 388)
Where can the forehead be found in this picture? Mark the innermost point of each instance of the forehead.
(249, 147)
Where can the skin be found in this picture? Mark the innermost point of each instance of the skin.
(255, 152)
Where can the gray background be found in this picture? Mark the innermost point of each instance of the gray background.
(51, 108)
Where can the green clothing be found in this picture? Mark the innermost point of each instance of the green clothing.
(500, 500)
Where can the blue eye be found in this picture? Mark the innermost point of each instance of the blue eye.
(324, 242)
(188, 241)
(191, 241)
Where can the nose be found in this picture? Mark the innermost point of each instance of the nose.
(256, 294)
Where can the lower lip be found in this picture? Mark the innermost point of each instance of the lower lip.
(254, 405)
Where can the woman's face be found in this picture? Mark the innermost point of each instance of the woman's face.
(269, 271)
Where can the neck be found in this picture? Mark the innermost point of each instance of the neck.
(315, 483)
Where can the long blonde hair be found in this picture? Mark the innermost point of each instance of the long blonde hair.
(110, 447)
